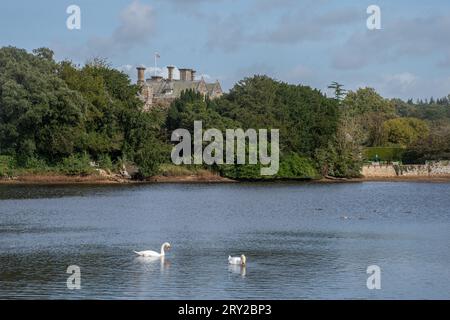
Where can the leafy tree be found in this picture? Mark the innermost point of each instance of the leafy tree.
(305, 117)
(371, 110)
(433, 147)
(405, 131)
(60, 113)
(339, 91)
(39, 113)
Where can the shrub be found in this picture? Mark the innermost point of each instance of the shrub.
(7, 165)
(295, 166)
(384, 153)
(150, 157)
(76, 165)
(36, 165)
(104, 161)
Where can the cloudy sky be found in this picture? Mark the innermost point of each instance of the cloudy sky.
(311, 42)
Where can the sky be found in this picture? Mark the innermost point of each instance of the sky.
(308, 42)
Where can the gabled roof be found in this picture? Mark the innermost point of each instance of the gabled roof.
(213, 87)
(172, 89)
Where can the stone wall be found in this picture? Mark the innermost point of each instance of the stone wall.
(378, 170)
(431, 169)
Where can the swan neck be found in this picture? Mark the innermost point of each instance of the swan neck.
(162, 251)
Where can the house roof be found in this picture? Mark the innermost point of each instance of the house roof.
(174, 88)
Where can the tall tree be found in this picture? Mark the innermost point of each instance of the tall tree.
(339, 91)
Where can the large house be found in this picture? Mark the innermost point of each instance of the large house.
(158, 91)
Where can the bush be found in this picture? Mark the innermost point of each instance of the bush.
(105, 162)
(150, 157)
(295, 166)
(36, 165)
(433, 148)
(405, 131)
(242, 171)
(7, 165)
(292, 166)
(76, 165)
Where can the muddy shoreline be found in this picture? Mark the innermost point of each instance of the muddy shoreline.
(212, 178)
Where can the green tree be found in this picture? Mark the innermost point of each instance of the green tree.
(339, 91)
(405, 131)
(370, 110)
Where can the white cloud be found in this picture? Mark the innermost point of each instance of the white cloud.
(412, 37)
(136, 26)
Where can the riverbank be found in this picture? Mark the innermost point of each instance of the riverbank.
(204, 177)
(46, 179)
(63, 179)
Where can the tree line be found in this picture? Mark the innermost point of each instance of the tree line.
(61, 116)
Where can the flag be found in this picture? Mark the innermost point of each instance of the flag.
(157, 55)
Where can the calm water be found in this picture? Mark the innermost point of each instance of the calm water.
(302, 241)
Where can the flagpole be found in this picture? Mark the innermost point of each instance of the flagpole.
(155, 64)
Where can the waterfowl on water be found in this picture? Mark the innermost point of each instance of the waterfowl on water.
(242, 260)
(150, 253)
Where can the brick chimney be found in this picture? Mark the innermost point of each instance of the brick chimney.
(185, 74)
(170, 73)
(141, 75)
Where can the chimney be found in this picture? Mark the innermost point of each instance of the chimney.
(186, 74)
(156, 78)
(141, 75)
(170, 73)
(193, 75)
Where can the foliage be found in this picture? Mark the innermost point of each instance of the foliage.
(433, 147)
(78, 164)
(342, 156)
(404, 131)
(39, 113)
(60, 115)
(294, 166)
(7, 165)
(150, 156)
(339, 91)
(384, 153)
(105, 162)
(305, 117)
(307, 120)
(52, 112)
(370, 110)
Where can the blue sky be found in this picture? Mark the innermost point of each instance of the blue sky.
(307, 42)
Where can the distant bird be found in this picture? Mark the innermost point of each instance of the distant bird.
(150, 253)
(242, 260)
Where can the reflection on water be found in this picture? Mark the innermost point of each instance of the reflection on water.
(311, 240)
(151, 264)
(241, 270)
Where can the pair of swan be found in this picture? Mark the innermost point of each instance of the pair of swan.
(241, 261)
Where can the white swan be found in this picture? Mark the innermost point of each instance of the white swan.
(150, 253)
(242, 260)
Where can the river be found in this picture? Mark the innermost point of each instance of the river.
(302, 241)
